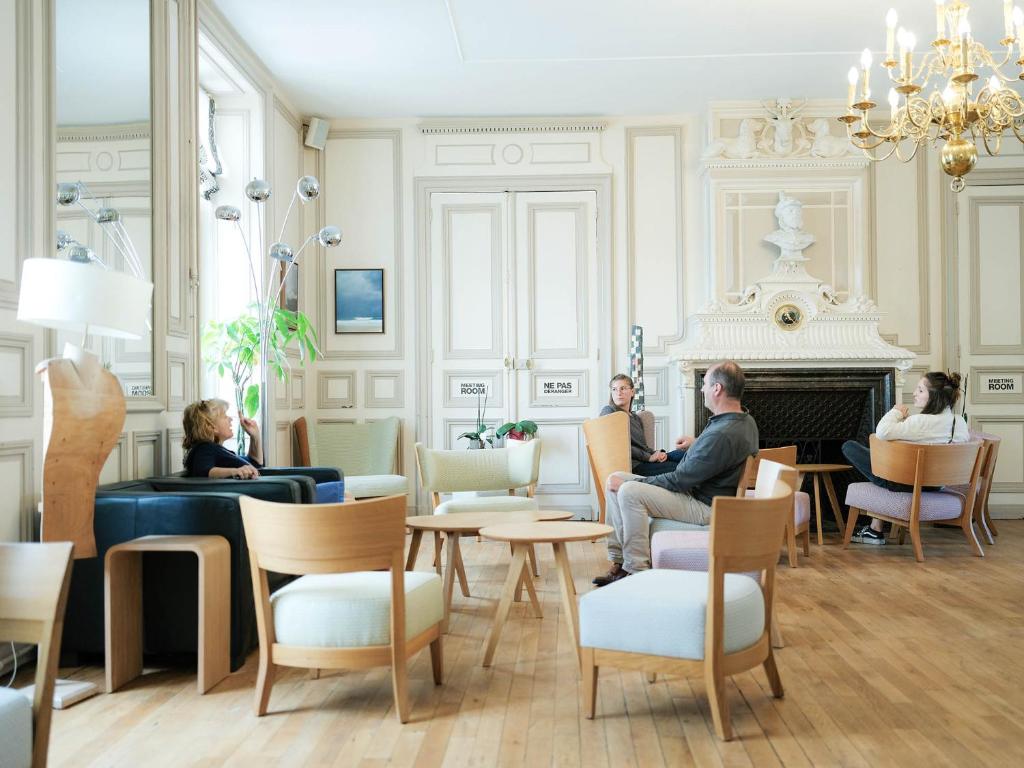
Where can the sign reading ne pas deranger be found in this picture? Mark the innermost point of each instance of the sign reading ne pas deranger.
(559, 387)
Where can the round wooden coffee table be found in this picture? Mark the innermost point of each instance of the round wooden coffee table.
(459, 524)
(522, 537)
(825, 471)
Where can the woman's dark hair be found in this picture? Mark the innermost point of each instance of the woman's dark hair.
(943, 391)
(619, 377)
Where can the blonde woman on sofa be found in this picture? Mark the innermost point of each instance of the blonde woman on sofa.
(207, 425)
(935, 394)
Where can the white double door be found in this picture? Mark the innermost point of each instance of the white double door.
(515, 285)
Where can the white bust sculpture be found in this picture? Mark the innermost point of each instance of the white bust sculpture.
(790, 236)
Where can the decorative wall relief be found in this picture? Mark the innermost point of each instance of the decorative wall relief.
(781, 129)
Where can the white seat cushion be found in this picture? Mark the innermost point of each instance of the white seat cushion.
(368, 486)
(15, 729)
(352, 610)
(487, 504)
(661, 612)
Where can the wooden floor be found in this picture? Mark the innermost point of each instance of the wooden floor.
(887, 662)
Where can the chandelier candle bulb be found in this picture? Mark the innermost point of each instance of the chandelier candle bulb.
(851, 77)
(940, 19)
(1008, 18)
(890, 30)
(865, 64)
(894, 102)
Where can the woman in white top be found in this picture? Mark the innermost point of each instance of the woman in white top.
(936, 395)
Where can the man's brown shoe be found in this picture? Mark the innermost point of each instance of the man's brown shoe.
(616, 573)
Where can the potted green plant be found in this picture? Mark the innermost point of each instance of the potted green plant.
(232, 349)
(518, 431)
(477, 438)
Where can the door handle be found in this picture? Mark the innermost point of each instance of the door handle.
(510, 362)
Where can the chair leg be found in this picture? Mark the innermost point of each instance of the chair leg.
(437, 660)
(851, 523)
(915, 539)
(437, 552)
(264, 682)
(715, 683)
(652, 677)
(589, 687)
(400, 684)
(901, 534)
(972, 540)
(791, 545)
(776, 635)
(314, 674)
(807, 541)
(772, 672)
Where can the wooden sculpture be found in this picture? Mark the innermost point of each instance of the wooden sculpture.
(83, 416)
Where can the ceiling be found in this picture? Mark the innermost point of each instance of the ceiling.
(398, 58)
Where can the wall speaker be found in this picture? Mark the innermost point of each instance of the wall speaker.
(316, 136)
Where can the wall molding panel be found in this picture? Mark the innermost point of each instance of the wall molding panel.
(179, 383)
(396, 399)
(983, 423)
(17, 360)
(328, 381)
(21, 452)
(642, 232)
(978, 345)
(153, 441)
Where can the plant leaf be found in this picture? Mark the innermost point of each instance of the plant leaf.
(252, 400)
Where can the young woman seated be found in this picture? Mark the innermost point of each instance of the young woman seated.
(207, 425)
(647, 461)
(936, 395)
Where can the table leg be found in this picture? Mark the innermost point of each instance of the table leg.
(836, 509)
(414, 549)
(526, 580)
(568, 589)
(817, 506)
(460, 570)
(501, 613)
(449, 576)
(123, 603)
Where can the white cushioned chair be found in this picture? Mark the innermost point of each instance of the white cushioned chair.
(354, 605)
(366, 454)
(490, 469)
(34, 581)
(716, 623)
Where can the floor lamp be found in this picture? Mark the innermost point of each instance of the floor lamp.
(84, 406)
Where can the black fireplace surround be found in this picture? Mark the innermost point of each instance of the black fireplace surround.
(817, 409)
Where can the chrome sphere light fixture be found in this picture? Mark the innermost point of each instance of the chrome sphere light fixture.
(282, 259)
(945, 95)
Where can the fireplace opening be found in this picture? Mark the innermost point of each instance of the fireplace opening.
(816, 409)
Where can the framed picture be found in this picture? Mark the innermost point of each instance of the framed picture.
(289, 298)
(359, 301)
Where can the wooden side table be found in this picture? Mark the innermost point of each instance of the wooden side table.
(122, 588)
(523, 536)
(459, 524)
(825, 471)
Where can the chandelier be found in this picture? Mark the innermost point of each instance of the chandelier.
(939, 99)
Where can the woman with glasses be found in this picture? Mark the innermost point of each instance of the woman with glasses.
(647, 461)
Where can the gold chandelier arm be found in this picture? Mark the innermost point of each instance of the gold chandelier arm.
(869, 152)
(907, 158)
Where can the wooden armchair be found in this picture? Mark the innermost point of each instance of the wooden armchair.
(919, 465)
(988, 469)
(607, 439)
(34, 582)
(799, 525)
(716, 623)
(354, 606)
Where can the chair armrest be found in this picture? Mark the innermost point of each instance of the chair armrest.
(319, 474)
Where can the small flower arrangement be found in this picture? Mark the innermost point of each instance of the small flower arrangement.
(476, 439)
(518, 430)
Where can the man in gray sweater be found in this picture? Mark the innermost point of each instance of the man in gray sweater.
(711, 466)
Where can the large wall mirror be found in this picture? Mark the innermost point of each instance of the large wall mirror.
(104, 138)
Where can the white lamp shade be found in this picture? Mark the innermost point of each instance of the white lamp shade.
(69, 296)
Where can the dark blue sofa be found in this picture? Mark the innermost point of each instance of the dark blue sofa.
(177, 505)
